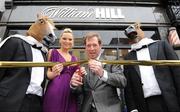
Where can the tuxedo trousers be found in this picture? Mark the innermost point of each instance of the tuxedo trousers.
(31, 103)
(156, 104)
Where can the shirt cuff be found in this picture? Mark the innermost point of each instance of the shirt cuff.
(104, 77)
(135, 110)
(72, 87)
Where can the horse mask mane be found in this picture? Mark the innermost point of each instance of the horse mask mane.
(43, 30)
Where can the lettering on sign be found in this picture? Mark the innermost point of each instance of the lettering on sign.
(83, 12)
(67, 12)
(109, 13)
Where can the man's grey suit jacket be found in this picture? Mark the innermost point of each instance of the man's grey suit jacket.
(103, 94)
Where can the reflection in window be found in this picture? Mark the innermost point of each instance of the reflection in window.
(123, 53)
(112, 41)
(109, 37)
(79, 53)
(110, 54)
(107, 54)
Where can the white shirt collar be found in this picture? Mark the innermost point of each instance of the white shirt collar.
(98, 56)
(142, 42)
(29, 39)
(33, 41)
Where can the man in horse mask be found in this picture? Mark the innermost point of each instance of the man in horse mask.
(21, 89)
(151, 88)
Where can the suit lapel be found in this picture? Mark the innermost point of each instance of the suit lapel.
(97, 81)
(45, 70)
(44, 55)
(87, 77)
(153, 50)
(133, 56)
(28, 53)
(92, 79)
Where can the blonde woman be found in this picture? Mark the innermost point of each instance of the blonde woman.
(58, 97)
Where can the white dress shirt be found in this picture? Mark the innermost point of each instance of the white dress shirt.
(37, 73)
(150, 84)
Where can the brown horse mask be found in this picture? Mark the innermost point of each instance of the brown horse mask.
(43, 30)
(131, 32)
(134, 33)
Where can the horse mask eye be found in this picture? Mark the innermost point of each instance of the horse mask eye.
(131, 32)
(41, 21)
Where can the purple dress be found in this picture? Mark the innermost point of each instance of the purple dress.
(58, 97)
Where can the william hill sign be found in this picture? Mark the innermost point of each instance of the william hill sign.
(59, 12)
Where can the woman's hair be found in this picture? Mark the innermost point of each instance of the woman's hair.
(66, 30)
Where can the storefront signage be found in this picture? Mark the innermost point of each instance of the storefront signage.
(88, 14)
(84, 13)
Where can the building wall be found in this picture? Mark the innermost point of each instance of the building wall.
(109, 18)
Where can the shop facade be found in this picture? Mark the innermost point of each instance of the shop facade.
(109, 18)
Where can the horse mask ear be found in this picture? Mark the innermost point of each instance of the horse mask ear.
(40, 16)
(137, 25)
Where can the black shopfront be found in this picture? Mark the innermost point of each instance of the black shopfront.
(107, 17)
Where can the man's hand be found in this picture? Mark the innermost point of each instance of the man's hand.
(76, 79)
(96, 67)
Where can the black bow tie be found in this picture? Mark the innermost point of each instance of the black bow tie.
(37, 47)
(144, 46)
(40, 48)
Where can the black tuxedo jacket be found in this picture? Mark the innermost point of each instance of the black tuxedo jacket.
(168, 78)
(14, 81)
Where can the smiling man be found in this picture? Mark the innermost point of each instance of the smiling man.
(100, 83)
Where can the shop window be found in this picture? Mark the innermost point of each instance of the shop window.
(109, 37)
(115, 43)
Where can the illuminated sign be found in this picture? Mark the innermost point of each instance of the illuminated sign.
(83, 12)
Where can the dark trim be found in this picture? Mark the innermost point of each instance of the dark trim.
(95, 25)
(84, 2)
(3, 24)
(103, 47)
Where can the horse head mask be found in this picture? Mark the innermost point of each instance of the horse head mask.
(131, 32)
(43, 30)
